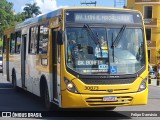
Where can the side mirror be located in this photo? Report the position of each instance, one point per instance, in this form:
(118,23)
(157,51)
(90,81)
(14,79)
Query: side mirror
(60,38)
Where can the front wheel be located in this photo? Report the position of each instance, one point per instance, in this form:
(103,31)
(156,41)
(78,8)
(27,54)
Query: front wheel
(47,102)
(46,99)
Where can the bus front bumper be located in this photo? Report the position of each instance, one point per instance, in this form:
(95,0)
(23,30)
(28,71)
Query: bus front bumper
(72,100)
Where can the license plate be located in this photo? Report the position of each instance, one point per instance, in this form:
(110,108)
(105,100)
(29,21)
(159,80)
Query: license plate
(110,98)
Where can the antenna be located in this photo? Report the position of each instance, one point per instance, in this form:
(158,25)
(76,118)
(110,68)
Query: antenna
(89,3)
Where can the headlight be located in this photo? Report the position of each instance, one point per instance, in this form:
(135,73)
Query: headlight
(70,86)
(143,85)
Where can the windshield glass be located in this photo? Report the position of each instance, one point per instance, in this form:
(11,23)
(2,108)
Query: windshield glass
(85,56)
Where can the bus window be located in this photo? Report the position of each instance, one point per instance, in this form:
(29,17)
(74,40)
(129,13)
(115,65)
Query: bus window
(43,40)
(18,42)
(12,43)
(33,40)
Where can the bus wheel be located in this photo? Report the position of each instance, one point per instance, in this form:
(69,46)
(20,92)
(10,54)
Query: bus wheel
(14,82)
(47,103)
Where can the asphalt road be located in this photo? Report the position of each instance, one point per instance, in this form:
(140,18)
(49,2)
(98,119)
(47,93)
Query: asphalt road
(11,100)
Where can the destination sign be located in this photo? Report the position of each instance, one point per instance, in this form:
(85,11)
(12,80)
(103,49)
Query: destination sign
(103,18)
(110,17)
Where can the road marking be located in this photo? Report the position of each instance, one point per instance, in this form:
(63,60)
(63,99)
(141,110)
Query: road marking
(6,88)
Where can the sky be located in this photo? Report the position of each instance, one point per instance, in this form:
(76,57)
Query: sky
(49,5)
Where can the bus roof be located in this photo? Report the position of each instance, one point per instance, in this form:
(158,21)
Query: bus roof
(100,8)
(39,18)
(59,12)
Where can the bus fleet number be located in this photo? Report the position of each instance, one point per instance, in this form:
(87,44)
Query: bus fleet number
(91,88)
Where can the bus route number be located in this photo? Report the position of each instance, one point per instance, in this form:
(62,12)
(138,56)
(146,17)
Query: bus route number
(91,87)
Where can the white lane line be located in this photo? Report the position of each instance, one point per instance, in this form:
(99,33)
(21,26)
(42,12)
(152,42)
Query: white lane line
(6,88)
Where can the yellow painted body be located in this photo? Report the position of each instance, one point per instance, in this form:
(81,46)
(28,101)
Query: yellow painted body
(71,100)
(126,93)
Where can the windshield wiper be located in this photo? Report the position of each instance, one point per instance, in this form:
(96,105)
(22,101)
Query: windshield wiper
(112,48)
(93,37)
(117,39)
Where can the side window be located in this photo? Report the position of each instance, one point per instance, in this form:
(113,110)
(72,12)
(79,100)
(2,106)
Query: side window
(148,34)
(43,39)
(4,43)
(18,42)
(33,40)
(148,11)
(12,43)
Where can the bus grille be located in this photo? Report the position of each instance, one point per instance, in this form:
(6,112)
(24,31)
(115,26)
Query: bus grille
(107,81)
(98,101)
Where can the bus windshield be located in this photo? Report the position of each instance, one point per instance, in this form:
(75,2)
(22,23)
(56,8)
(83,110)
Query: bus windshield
(84,56)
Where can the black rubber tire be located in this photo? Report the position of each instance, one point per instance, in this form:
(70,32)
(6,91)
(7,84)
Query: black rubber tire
(47,103)
(14,83)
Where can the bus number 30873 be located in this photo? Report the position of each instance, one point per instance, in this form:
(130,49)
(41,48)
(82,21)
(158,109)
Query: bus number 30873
(91,88)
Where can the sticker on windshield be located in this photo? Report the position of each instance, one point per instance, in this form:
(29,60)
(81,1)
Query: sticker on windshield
(88,62)
(104,54)
(94,71)
(101,53)
(103,67)
(113,69)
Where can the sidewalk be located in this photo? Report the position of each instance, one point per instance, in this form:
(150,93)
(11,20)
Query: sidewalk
(154,82)
(4,84)
(3,78)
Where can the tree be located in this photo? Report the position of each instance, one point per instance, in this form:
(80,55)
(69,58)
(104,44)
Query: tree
(8,18)
(19,17)
(6,15)
(31,10)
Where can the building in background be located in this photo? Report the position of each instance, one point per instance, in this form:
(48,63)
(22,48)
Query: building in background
(150,10)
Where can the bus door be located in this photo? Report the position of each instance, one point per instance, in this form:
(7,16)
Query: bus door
(56,68)
(23,59)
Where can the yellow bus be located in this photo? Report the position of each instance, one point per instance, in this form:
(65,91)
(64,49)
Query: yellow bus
(80,57)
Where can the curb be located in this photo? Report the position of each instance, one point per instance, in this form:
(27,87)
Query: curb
(154,82)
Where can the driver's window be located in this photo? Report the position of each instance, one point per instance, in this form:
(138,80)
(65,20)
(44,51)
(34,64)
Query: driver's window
(111,36)
(134,42)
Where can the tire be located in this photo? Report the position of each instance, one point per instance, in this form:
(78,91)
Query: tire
(47,103)
(14,83)
(45,97)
